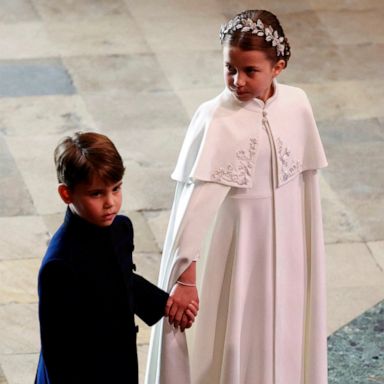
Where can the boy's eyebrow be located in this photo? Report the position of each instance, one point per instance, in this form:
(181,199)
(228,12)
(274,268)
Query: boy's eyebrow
(95,189)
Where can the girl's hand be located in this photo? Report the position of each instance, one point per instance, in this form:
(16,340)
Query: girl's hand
(182,296)
(189,316)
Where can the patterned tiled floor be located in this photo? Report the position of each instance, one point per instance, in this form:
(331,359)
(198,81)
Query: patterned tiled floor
(136,70)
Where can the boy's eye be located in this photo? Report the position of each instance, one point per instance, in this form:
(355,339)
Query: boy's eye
(117,187)
(95,193)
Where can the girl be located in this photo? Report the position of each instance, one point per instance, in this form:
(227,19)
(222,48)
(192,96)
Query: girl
(247,212)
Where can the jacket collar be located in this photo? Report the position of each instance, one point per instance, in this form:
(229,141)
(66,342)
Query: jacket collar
(85,227)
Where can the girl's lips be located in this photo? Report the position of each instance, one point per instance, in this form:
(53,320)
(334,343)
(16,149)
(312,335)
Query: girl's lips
(238,93)
(242,95)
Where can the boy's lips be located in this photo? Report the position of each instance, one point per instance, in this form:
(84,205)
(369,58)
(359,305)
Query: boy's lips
(109,216)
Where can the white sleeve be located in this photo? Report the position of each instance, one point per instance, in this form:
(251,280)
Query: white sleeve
(202,208)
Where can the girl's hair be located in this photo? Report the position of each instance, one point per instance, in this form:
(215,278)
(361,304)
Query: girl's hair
(85,155)
(258,30)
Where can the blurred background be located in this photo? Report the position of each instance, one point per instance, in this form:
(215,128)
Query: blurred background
(136,71)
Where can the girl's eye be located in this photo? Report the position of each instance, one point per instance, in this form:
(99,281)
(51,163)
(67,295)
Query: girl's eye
(230,69)
(117,189)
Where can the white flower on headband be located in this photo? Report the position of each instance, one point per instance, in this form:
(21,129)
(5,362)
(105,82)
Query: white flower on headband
(256,28)
(248,25)
(273,36)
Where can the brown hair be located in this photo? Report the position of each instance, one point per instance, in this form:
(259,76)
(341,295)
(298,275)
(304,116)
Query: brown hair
(248,41)
(84,155)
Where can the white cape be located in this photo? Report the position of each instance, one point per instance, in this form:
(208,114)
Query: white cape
(222,147)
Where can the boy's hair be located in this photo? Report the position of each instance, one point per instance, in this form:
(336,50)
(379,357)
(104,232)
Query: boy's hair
(244,32)
(84,155)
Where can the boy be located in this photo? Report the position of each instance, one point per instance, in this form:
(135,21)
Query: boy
(88,293)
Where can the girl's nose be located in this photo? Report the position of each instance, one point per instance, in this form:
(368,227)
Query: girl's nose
(238,80)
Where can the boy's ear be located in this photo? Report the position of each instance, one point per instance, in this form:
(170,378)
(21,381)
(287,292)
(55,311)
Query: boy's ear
(64,193)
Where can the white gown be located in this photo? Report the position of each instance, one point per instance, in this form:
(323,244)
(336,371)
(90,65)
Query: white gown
(236,339)
(261,272)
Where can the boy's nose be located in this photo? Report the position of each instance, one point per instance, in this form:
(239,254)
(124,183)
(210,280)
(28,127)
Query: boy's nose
(108,202)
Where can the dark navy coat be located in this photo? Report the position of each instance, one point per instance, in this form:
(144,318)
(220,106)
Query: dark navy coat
(88,295)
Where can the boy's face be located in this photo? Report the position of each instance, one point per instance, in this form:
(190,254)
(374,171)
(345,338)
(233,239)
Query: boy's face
(96,202)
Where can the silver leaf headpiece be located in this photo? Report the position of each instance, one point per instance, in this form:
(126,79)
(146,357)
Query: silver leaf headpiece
(257,28)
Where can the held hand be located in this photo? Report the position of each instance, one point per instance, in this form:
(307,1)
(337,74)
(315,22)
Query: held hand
(189,316)
(181,297)
(190,313)
(168,306)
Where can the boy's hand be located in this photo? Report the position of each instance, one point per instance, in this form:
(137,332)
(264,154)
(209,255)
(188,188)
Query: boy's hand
(168,306)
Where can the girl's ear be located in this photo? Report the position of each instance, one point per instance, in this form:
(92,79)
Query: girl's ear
(64,193)
(278,67)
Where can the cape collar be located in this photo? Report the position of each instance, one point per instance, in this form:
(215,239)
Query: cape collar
(222,142)
(256,104)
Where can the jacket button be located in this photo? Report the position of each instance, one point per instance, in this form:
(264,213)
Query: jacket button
(133,267)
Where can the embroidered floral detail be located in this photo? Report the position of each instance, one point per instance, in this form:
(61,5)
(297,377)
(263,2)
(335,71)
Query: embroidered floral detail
(240,173)
(289,166)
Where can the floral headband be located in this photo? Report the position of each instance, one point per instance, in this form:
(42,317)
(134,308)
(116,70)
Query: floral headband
(257,28)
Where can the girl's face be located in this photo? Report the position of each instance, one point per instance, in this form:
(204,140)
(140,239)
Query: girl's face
(249,74)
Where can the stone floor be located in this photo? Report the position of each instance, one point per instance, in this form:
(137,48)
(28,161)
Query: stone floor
(356,351)
(136,70)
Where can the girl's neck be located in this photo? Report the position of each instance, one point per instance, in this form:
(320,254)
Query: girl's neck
(269,94)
